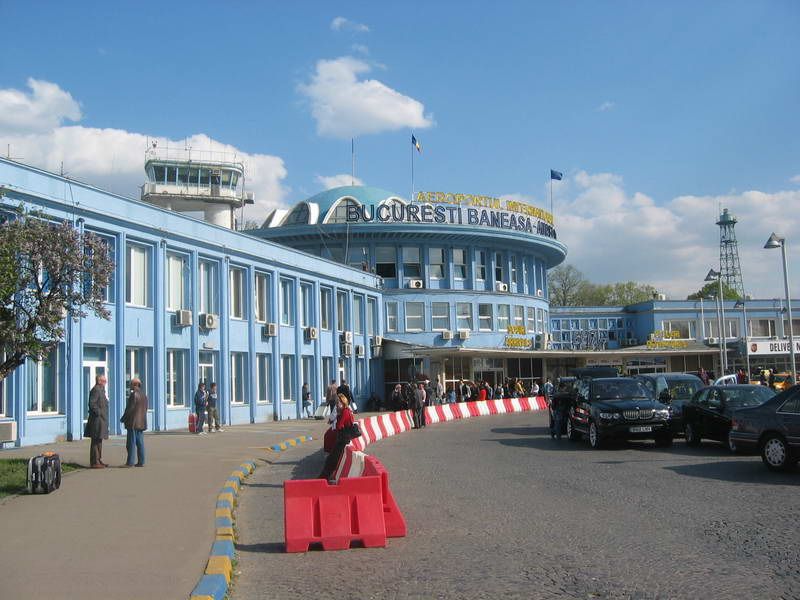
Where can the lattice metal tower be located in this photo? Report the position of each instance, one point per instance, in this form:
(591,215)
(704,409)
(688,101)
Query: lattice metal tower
(729,253)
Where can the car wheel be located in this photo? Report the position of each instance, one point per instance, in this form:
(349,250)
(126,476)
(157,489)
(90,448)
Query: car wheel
(664,441)
(731,444)
(775,453)
(573,435)
(691,434)
(594,436)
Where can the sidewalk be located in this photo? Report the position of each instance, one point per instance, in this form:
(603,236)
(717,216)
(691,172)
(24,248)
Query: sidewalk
(128,533)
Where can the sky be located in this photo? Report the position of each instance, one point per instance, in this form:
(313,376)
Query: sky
(657,114)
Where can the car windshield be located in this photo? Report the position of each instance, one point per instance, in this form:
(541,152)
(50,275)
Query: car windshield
(619,390)
(741,397)
(683,389)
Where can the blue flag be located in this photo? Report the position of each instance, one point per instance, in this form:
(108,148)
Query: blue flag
(557,175)
(416,144)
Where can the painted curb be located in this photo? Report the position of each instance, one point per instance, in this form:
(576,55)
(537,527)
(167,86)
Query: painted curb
(290,443)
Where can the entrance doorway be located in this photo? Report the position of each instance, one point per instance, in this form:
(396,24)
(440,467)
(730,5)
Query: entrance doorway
(490,376)
(95,363)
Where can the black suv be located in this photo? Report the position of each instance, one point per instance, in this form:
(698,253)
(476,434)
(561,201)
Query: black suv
(674,389)
(617,407)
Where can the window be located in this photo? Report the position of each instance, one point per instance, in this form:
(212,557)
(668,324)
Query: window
(503,316)
(238,378)
(298,215)
(436,263)
(176,282)
(372,312)
(176,377)
(137,366)
(358,314)
(236,293)
(206,369)
(137,291)
(519,316)
(795,327)
(539,320)
(43,384)
(341,311)
(731,328)
(358,258)
(287,378)
(463,315)
(386,261)
(485,317)
(340,212)
(761,328)
(108,291)
(391,316)
(532,320)
(459,263)
(328,373)
(208,287)
(480,264)
(499,271)
(262,377)
(305,304)
(325,308)
(411,264)
(513,270)
(683,330)
(440,316)
(415,316)
(287,302)
(262,297)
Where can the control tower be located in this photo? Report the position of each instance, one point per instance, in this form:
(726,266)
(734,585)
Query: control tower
(730,270)
(203,184)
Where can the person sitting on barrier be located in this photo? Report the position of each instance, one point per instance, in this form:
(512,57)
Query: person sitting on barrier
(344,420)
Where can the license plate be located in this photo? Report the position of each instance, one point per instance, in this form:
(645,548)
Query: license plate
(646,429)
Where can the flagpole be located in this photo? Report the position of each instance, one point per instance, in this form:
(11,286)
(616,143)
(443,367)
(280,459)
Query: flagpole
(412,168)
(353,161)
(551,198)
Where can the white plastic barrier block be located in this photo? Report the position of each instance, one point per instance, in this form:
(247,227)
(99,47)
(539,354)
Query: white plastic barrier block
(483,408)
(448,412)
(516,405)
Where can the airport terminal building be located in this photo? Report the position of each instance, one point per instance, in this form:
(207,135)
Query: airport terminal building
(354,283)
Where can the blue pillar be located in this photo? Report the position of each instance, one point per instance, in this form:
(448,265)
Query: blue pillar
(314,386)
(194,341)
(273,316)
(224,343)
(252,388)
(119,395)
(298,346)
(160,322)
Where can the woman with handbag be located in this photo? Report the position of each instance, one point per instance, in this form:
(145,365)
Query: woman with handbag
(345,431)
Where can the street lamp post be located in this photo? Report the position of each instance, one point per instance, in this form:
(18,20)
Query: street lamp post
(776,241)
(741,304)
(717,276)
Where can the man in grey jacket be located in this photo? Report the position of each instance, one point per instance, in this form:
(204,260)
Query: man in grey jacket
(97,423)
(135,421)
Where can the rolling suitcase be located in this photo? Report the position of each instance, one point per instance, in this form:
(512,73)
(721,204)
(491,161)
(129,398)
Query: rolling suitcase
(322,412)
(44,473)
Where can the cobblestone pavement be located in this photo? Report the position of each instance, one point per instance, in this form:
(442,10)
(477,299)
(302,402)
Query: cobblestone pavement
(495,508)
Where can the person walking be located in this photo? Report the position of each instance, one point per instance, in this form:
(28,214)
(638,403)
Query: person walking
(135,420)
(419,406)
(330,395)
(548,389)
(200,403)
(97,423)
(212,400)
(306,396)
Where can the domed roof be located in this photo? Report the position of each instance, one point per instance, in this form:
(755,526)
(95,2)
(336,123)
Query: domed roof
(317,208)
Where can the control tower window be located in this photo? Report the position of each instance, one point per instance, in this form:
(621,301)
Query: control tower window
(234,179)
(386,261)
(411,265)
(172,173)
(204,177)
(183,175)
(158,173)
(225,179)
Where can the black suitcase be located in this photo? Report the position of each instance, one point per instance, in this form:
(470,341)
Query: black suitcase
(44,473)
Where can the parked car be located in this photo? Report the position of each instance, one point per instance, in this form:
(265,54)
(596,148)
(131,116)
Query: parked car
(772,428)
(709,413)
(727,380)
(674,390)
(618,407)
(782,381)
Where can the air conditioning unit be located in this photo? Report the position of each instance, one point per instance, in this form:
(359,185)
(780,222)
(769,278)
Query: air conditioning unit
(346,337)
(539,293)
(311,333)
(347,349)
(538,341)
(463,334)
(269,330)
(713,341)
(209,321)
(359,350)
(500,286)
(377,351)
(447,335)
(183,318)
(377,341)
(8,431)
(415,284)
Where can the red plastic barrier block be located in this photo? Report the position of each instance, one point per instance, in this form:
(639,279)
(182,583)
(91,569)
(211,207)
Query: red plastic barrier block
(440,413)
(333,515)
(394,519)
(509,406)
(382,427)
(492,408)
(541,402)
(394,418)
(473,409)
(525,403)
(405,416)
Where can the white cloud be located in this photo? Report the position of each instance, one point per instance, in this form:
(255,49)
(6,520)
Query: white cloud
(339,180)
(345,107)
(360,49)
(344,24)
(46,106)
(113,159)
(795,179)
(605,106)
(614,235)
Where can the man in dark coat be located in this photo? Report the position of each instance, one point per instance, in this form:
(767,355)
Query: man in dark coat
(97,423)
(135,421)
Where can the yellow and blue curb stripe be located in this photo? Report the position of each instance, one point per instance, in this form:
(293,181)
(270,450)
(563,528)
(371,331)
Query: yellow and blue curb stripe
(213,585)
(290,443)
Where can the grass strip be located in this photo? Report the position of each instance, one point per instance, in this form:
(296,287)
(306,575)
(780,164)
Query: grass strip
(14,475)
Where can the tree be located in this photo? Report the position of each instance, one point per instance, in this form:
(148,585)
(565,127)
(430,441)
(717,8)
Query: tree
(568,287)
(565,282)
(712,289)
(49,271)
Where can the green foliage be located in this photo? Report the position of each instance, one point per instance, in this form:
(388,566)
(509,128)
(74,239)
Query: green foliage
(712,289)
(569,287)
(50,272)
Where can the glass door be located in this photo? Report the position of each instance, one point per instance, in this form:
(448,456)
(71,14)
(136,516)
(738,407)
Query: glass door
(95,363)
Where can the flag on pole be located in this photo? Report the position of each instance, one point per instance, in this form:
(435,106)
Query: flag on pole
(416,144)
(557,175)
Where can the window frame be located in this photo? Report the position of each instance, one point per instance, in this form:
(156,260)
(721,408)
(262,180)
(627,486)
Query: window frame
(442,317)
(420,316)
(146,251)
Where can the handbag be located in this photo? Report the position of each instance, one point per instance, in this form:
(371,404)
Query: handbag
(352,432)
